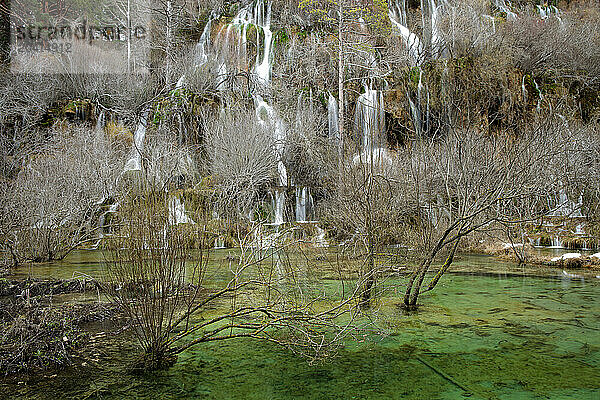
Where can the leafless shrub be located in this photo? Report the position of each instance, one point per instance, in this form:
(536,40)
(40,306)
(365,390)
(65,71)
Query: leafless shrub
(55,195)
(307,148)
(467,30)
(167,163)
(170,295)
(565,46)
(308,62)
(148,273)
(242,158)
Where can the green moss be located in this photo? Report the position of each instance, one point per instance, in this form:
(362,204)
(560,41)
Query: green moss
(280,38)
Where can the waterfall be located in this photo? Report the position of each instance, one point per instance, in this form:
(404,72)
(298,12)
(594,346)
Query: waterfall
(320,240)
(177,213)
(566,207)
(333,119)
(304,203)
(492,20)
(230,53)
(416,49)
(437,47)
(369,123)
(369,119)
(219,243)
(268,118)
(203,45)
(135,160)
(100,123)
(230,45)
(540,97)
(501,5)
(279,206)
(547,11)
(232,41)
(263,68)
(416,116)
(201,50)
(556,243)
(397,15)
(102,220)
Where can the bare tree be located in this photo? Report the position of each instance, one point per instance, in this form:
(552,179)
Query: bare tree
(369,210)
(468,182)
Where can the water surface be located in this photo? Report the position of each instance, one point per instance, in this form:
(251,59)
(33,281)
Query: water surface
(503,334)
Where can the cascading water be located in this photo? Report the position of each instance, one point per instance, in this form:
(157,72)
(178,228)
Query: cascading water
(333,119)
(304,203)
(232,41)
(320,240)
(417,47)
(502,6)
(430,19)
(369,123)
(201,51)
(100,123)
(546,11)
(263,69)
(564,207)
(203,45)
(556,243)
(219,243)
(540,96)
(369,119)
(230,53)
(177,213)
(278,206)
(102,221)
(268,118)
(135,160)
(397,15)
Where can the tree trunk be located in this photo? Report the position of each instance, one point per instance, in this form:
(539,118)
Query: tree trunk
(340,79)
(370,281)
(411,282)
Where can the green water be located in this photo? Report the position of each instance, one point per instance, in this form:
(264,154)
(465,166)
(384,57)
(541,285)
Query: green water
(497,335)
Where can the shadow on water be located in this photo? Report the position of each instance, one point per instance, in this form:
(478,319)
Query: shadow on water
(479,335)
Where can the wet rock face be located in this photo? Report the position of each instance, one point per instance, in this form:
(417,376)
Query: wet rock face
(78,110)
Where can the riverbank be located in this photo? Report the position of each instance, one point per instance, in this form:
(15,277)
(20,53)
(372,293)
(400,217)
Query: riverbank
(46,323)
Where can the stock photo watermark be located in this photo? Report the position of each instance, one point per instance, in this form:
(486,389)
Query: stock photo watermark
(60,36)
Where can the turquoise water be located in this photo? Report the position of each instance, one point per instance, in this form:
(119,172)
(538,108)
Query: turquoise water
(496,335)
